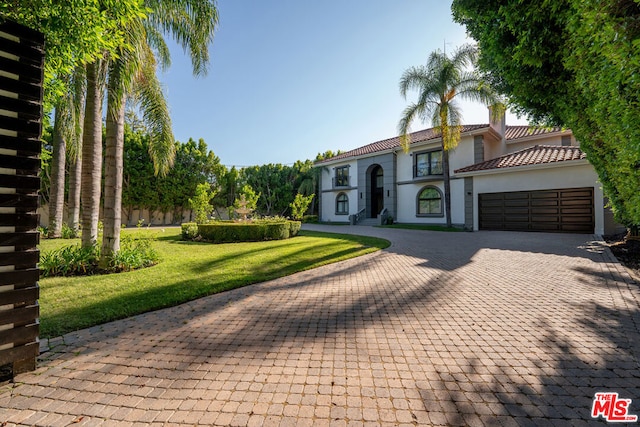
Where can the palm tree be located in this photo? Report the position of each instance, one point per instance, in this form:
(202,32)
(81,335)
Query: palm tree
(133,73)
(58,158)
(66,130)
(440,84)
(75,150)
(91,175)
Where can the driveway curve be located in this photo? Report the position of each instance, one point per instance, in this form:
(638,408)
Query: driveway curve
(473,329)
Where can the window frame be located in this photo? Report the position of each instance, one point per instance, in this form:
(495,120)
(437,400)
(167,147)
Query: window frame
(345,202)
(341,176)
(429,173)
(418,199)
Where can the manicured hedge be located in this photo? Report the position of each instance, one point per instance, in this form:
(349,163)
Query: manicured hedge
(227,232)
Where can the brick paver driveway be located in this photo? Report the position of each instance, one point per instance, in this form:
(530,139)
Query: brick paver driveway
(484,328)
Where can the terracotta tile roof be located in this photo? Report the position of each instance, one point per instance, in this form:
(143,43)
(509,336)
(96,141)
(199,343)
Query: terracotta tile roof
(536,155)
(517,132)
(391,143)
(511,133)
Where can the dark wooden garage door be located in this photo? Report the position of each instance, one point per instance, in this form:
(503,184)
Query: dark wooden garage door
(568,210)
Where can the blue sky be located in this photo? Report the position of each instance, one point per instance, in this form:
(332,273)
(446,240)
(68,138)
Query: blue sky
(290,78)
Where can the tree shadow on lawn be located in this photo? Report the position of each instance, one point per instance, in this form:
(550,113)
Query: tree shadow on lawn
(177,292)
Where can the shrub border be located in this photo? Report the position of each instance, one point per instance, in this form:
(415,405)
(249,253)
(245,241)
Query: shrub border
(234,232)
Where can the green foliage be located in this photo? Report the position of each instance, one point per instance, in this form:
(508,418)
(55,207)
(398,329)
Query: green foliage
(310,219)
(276,185)
(74,260)
(76,33)
(572,63)
(327,155)
(134,253)
(189,230)
(294,228)
(300,205)
(255,231)
(67,232)
(250,197)
(45,167)
(69,261)
(200,203)
(194,164)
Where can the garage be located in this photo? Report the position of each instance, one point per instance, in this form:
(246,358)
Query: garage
(568,210)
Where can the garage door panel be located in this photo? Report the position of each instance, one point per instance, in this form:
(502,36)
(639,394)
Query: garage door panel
(543,202)
(576,202)
(576,228)
(576,211)
(565,210)
(545,211)
(510,210)
(515,203)
(586,193)
(549,218)
(543,194)
(515,195)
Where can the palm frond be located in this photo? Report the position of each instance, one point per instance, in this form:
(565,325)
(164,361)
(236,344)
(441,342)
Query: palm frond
(159,46)
(404,126)
(156,115)
(191,23)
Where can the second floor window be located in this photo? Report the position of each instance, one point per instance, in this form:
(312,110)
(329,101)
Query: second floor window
(342,176)
(429,163)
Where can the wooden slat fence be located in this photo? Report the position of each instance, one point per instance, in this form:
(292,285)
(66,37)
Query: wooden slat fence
(21,76)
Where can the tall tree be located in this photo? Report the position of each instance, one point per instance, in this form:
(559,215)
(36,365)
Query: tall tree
(75,150)
(59,156)
(192,23)
(440,84)
(92,153)
(67,129)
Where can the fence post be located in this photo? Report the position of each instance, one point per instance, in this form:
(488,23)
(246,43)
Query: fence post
(21,76)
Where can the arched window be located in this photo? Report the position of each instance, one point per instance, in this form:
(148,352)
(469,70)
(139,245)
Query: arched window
(342,204)
(429,202)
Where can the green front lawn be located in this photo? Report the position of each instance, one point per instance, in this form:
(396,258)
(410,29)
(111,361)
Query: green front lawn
(187,270)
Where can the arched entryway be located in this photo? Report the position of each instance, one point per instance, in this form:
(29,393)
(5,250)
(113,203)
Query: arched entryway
(377,190)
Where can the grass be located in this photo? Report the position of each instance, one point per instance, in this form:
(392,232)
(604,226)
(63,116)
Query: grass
(187,270)
(422,227)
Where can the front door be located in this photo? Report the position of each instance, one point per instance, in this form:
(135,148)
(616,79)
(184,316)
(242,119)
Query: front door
(377,191)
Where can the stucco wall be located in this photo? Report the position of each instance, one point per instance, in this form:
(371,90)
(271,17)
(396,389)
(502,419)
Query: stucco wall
(540,179)
(329,205)
(407,203)
(329,192)
(518,145)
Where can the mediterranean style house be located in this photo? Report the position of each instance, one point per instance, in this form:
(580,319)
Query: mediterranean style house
(502,178)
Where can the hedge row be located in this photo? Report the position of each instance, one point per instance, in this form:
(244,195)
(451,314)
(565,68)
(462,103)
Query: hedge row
(227,232)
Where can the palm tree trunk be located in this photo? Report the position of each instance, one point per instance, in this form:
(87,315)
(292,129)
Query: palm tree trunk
(73,203)
(447,185)
(114,154)
(91,156)
(56,191)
